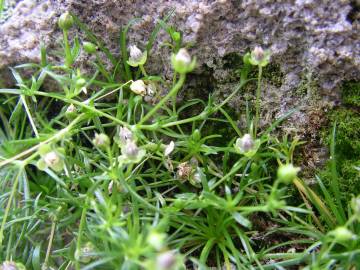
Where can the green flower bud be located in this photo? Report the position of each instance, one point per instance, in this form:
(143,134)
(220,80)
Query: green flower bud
(80,82)
(246,59)
(156,240)
(101,140)
(196,135)
(287,173)
(138,87)
(342,234)
(182,62)
(176,36)
(89,47)
(66,21)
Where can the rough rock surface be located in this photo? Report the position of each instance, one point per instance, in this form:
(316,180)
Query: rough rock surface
(313,42)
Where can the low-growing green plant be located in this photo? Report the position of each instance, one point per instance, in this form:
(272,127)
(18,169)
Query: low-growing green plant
(106,173)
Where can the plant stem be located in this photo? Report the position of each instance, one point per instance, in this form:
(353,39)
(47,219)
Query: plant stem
(172,92)
(143,70)
(32,123)
(68,56)
(48,250)
(258,96)
(78,242)
(35,147)
(7,209)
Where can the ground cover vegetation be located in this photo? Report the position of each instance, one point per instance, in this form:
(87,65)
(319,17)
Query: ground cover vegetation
(110,171)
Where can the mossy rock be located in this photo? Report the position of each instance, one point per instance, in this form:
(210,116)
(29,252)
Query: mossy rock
(347,141)
(351,94)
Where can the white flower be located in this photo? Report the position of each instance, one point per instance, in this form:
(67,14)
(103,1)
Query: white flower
(101,140)
(182,62)
(124,135)
(259,57)
(137,57)
(183,56)
(169,148)
(166,260)
(135,53)
(138,87)
(130,149)
(71,109)
(51,158)
(258,53)
(131,153)
(246,145)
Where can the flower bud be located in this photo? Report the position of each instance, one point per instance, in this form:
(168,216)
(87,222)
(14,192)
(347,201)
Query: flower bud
(80,82)
(101,140)
(137,57)
(9,265)
(182,62)
(176,36)
(124,135)
(71,111)
(66,21)
(51,158)
(166,260)
(259,57)
(130,149)
(258,53)
(196,135)
(138,87)
(151,89)
(287,173)
(156,240)
(342,234)
(135,53)
(247,146)
(89,47)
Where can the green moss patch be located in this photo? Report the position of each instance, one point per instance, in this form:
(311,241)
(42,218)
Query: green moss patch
(347,119)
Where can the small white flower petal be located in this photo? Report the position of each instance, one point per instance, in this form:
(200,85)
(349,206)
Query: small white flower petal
(138,87)
(169,148)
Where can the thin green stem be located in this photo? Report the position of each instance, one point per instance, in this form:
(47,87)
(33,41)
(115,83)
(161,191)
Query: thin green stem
(51,239)
(78,242)
(143,71)
(7,209)
(171,93)
(55,137)
(241,84)
(83,105)
(32,123)
(68,56)
(258,96)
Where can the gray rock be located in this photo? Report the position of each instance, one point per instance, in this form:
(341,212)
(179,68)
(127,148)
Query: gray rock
(316,37)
